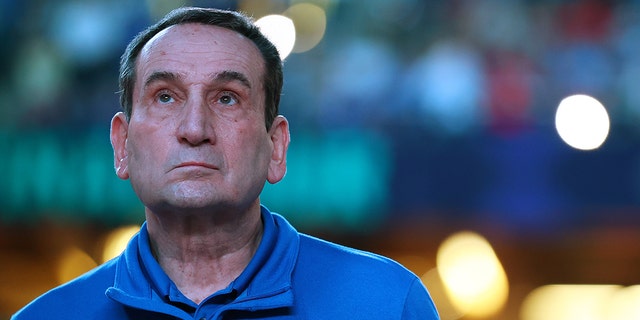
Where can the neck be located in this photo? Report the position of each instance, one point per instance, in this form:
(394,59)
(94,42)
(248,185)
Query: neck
(203,254)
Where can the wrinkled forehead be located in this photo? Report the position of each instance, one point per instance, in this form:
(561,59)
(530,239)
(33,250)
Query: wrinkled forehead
(201,48)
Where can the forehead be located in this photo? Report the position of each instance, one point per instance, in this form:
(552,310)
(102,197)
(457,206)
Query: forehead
(195,50)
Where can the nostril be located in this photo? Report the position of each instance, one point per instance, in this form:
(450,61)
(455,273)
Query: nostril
(196,128)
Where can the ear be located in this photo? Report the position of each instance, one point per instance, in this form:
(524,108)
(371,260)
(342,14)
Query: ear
(279,134)
(119,132)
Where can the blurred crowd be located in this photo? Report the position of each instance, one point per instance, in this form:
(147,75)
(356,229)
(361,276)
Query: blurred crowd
(458,66)
(452,65)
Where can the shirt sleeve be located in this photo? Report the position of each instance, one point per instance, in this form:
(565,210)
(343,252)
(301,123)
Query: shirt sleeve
(419,305)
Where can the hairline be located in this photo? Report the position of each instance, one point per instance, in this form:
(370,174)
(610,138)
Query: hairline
(183,23)
(272,77)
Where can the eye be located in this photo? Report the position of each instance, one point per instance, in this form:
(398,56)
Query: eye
(227,98)
(165,97)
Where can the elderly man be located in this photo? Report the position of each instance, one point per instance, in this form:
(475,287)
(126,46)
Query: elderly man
(198,138)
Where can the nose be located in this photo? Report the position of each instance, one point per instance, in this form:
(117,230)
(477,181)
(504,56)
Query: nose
(196,123)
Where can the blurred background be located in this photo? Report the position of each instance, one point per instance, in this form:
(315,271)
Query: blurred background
(427,131)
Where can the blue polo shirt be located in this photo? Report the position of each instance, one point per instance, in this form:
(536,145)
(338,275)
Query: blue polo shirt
(291,276)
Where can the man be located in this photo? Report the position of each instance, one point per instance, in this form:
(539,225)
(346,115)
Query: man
(198,138)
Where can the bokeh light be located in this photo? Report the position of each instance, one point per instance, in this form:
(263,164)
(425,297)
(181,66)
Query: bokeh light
(433,281)
(117,240)
(623,304)
(472,274)
(310,22)
(568,302)
(582,122)
(72,263)
(280,30)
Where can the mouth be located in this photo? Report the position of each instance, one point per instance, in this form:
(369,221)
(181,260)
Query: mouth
(196,164)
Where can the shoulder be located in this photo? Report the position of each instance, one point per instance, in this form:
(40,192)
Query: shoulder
(73,298)
(351,267)
(345,282)
(327,253)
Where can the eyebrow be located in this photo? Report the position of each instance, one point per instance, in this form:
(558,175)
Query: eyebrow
(224,76)
(161,76)
(229,76)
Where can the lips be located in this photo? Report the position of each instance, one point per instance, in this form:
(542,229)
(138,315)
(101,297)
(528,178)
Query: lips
(196,164)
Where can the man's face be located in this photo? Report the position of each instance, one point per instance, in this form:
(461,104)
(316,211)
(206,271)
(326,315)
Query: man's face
(196,139)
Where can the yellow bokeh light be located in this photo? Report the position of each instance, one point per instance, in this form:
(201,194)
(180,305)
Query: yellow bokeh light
(433,281)
(568,302)
(623,304)
(582,122)
(279,30)
(473,277)
(310,22)
(117,240)
(259,8)
(72,263)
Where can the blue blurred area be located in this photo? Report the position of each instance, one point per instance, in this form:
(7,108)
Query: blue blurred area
(405,109)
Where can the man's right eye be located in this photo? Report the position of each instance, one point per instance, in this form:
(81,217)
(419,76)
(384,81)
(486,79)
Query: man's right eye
(165,98)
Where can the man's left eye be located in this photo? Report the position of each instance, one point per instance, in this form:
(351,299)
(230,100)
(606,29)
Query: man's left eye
(227,99)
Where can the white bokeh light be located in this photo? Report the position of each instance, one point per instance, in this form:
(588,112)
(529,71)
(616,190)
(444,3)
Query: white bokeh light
(582,122)
(279,30)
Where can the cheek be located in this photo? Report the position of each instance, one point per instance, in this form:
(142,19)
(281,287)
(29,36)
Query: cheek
(255,138)
(144,150)
(248,146)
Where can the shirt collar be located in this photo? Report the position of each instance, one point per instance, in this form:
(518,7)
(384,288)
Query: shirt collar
(268,274)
